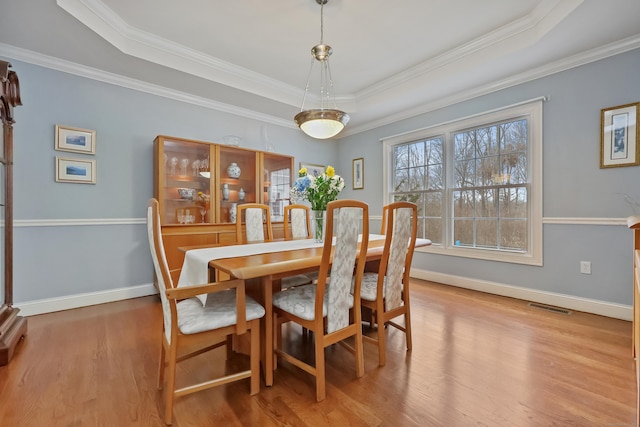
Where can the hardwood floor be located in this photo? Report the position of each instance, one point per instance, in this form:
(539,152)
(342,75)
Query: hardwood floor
(477,360)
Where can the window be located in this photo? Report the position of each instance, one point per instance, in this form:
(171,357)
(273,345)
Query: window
(477,183)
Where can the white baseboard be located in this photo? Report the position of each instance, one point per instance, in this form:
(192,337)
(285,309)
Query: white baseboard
(50,305)
(602,308)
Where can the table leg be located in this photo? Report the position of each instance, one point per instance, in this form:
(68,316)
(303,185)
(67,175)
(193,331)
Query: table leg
(267,344)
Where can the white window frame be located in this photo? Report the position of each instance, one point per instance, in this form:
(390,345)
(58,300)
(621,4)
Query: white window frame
(532,111)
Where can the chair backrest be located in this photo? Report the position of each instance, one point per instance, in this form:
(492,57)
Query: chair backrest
(349,218)
(297,222)
(383,223)
(160,265)
(401,231)
(257,223)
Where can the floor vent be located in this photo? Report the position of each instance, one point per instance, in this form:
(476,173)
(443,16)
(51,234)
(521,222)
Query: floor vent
(550,308)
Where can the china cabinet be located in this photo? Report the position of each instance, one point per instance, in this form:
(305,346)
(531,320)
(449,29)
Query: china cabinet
(199,184)
(12,326)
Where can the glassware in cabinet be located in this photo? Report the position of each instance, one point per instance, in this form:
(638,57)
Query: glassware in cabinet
(182,182)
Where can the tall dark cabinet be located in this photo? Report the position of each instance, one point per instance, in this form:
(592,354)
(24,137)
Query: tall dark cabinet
(12,326)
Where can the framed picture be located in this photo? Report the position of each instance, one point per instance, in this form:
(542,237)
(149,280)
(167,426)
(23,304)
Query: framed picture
(315,170)
(75,140)
(357,170)
(619,136)
(78,171)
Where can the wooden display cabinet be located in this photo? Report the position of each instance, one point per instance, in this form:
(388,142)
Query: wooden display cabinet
(180,174)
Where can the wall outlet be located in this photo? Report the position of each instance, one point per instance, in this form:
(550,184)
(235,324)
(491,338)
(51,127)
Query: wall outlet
(585,267)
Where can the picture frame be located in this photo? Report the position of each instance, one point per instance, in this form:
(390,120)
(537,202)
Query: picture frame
(357,172)
(313,169)
(75,140)
(78,171)
(619,137)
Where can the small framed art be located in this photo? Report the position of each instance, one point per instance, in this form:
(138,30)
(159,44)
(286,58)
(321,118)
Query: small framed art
(313,170)
(75,140)
(77,171)
(619,136)
(357,169)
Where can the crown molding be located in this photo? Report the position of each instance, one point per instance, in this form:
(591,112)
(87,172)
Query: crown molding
(138,85)
(603,52)
(150,47)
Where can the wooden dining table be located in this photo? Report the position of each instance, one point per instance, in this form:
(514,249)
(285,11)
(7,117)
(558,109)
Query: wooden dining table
(266,269)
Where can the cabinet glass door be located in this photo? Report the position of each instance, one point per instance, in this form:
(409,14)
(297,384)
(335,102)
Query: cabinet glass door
(276,184)
(185,183)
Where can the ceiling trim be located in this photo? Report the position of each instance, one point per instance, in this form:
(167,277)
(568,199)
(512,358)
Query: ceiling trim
(141,44)
(524,31)
(603,52)
(564,64)
(134,84)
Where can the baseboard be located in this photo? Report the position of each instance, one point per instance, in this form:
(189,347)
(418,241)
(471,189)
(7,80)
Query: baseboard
(50,305)
(602,308)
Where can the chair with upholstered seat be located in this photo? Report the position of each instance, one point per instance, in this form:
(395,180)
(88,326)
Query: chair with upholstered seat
(297,222)
(329,309)
(297,225)
(257,220)
(386,292)
(200,318)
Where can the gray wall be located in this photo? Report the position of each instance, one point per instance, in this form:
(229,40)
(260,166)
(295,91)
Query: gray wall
(576,190)
(73,239)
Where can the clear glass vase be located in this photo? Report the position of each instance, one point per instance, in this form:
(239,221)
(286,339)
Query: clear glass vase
(317,225)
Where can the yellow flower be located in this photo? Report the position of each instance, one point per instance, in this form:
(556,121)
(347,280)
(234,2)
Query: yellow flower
(302,172)
(330,171)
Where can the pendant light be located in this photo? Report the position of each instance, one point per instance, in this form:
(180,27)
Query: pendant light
(326,121)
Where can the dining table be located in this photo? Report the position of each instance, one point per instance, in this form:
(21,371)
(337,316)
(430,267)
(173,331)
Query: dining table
(264,264)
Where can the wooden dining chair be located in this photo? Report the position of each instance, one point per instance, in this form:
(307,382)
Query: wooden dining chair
(297,225)
(257,221)
(330,311)
(191,328)
(386,292)
(297,222)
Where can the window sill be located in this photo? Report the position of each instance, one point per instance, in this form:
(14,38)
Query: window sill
(485,254)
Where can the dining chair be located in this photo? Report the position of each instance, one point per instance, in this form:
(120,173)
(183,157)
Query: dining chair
(297,225)
(191,328)
(257,220)
(386,292)
(329,310)
(297,222)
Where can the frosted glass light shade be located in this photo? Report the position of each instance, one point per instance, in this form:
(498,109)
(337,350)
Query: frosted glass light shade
(321,123)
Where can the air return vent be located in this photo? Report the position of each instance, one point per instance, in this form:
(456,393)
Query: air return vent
(550,308)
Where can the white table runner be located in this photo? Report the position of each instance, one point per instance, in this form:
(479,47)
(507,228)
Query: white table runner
(195,269)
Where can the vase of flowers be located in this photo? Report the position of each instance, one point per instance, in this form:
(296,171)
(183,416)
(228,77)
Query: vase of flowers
(318,191)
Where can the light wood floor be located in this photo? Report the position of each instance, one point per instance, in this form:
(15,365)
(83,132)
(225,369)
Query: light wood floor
(478,360)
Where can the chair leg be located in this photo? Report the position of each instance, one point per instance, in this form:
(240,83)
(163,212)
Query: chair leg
(407,326)
(382,356)
(321,392)
(277,339)
(169,391)
(161,367)
(255,357)
(359,352)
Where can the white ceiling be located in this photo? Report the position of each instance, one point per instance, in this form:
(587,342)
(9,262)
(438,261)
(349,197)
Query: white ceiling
(391,59)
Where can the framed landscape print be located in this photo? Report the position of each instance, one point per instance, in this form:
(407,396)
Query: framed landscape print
(75,140)
(619,136)
(357,170)
(313,170)
(77,171)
